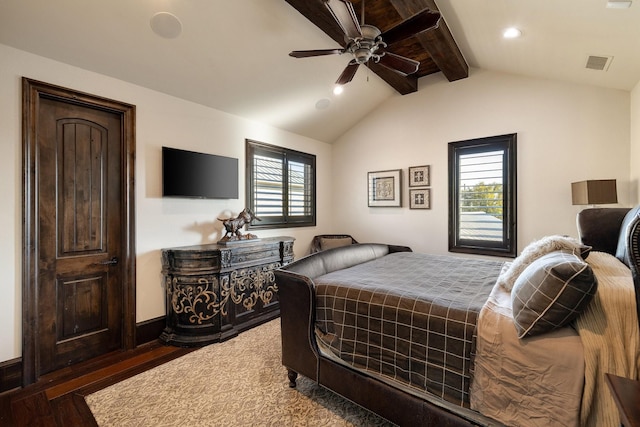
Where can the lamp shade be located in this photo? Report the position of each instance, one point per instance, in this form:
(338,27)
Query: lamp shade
(594,192)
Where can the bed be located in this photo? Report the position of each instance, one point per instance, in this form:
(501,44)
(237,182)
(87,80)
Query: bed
(440,340)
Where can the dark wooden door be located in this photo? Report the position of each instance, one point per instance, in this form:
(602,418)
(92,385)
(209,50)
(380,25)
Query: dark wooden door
(80,243)
(79,205)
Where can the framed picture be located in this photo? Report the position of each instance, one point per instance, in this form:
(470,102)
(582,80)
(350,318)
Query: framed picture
(419,198)
(419,176)
(385,188)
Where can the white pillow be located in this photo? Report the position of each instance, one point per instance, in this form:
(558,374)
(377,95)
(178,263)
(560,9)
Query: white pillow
(535,250)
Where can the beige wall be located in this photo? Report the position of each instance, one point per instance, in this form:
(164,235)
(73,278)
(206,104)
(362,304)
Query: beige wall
(565,133)
(161,120)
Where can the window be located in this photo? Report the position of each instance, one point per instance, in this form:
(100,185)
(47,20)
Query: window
(281,186)
(482,196)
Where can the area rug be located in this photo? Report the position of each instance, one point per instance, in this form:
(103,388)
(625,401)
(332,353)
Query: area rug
(240,382)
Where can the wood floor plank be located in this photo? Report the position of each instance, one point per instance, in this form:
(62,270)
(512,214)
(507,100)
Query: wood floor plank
(71,410)
(57,399)
(117,377)
(116,368)
(33,410)
(6,414)
(83,410)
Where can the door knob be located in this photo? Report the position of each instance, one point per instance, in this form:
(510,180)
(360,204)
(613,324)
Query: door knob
(113,261)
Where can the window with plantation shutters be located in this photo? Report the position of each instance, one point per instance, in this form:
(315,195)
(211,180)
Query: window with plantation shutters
(280,186)
(482,196)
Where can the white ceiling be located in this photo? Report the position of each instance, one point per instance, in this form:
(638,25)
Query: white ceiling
(232,55)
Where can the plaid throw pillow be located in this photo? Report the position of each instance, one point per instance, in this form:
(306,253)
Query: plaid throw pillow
(551,292)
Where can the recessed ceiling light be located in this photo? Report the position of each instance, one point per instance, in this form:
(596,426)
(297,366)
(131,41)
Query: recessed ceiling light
(511,33)
(166,25)
(619,4)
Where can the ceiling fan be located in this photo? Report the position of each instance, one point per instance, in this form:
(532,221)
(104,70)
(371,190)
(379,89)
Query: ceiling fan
(367,43)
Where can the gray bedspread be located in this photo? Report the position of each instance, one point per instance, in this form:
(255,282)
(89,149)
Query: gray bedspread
(409,317)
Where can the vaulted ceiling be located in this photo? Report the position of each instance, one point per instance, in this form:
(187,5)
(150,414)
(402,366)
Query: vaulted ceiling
(232,55)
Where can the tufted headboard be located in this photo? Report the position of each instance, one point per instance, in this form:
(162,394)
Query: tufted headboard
(615,231)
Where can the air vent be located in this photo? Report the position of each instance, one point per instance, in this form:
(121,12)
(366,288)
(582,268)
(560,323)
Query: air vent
(600,63)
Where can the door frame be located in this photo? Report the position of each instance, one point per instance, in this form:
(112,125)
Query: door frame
(32,92)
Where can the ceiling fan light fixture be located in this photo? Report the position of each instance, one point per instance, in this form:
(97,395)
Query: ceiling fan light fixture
(338,89)
(511,33)
(362,55)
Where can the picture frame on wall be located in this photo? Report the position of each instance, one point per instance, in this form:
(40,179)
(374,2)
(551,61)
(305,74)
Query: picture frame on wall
(419,198)
(385,188)
(419,176)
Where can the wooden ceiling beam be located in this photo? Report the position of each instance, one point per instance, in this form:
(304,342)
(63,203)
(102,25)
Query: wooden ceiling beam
(316,12)
(438,42)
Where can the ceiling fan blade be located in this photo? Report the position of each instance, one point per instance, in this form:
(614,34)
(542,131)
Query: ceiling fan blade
(418,23)
(345,16)
(348,73)
(317,52)
(399,63)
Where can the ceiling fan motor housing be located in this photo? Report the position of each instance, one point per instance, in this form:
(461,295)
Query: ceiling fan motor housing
(369,32)
(365,47)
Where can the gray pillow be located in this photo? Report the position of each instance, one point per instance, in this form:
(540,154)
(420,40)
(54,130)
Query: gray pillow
(551,292)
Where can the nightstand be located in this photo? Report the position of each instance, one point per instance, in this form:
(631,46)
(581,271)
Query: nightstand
(626,394)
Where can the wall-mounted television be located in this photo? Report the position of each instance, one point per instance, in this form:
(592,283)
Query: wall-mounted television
(198,175)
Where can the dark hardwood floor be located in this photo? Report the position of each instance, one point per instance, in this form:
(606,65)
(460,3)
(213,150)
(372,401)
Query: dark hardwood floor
(57,399)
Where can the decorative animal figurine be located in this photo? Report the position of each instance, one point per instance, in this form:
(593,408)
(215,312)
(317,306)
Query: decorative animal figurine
(234,226)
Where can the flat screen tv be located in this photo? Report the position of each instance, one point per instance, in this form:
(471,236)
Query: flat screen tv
(198,175)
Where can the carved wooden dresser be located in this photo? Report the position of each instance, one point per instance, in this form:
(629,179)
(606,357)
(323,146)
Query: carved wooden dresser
(216,291)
